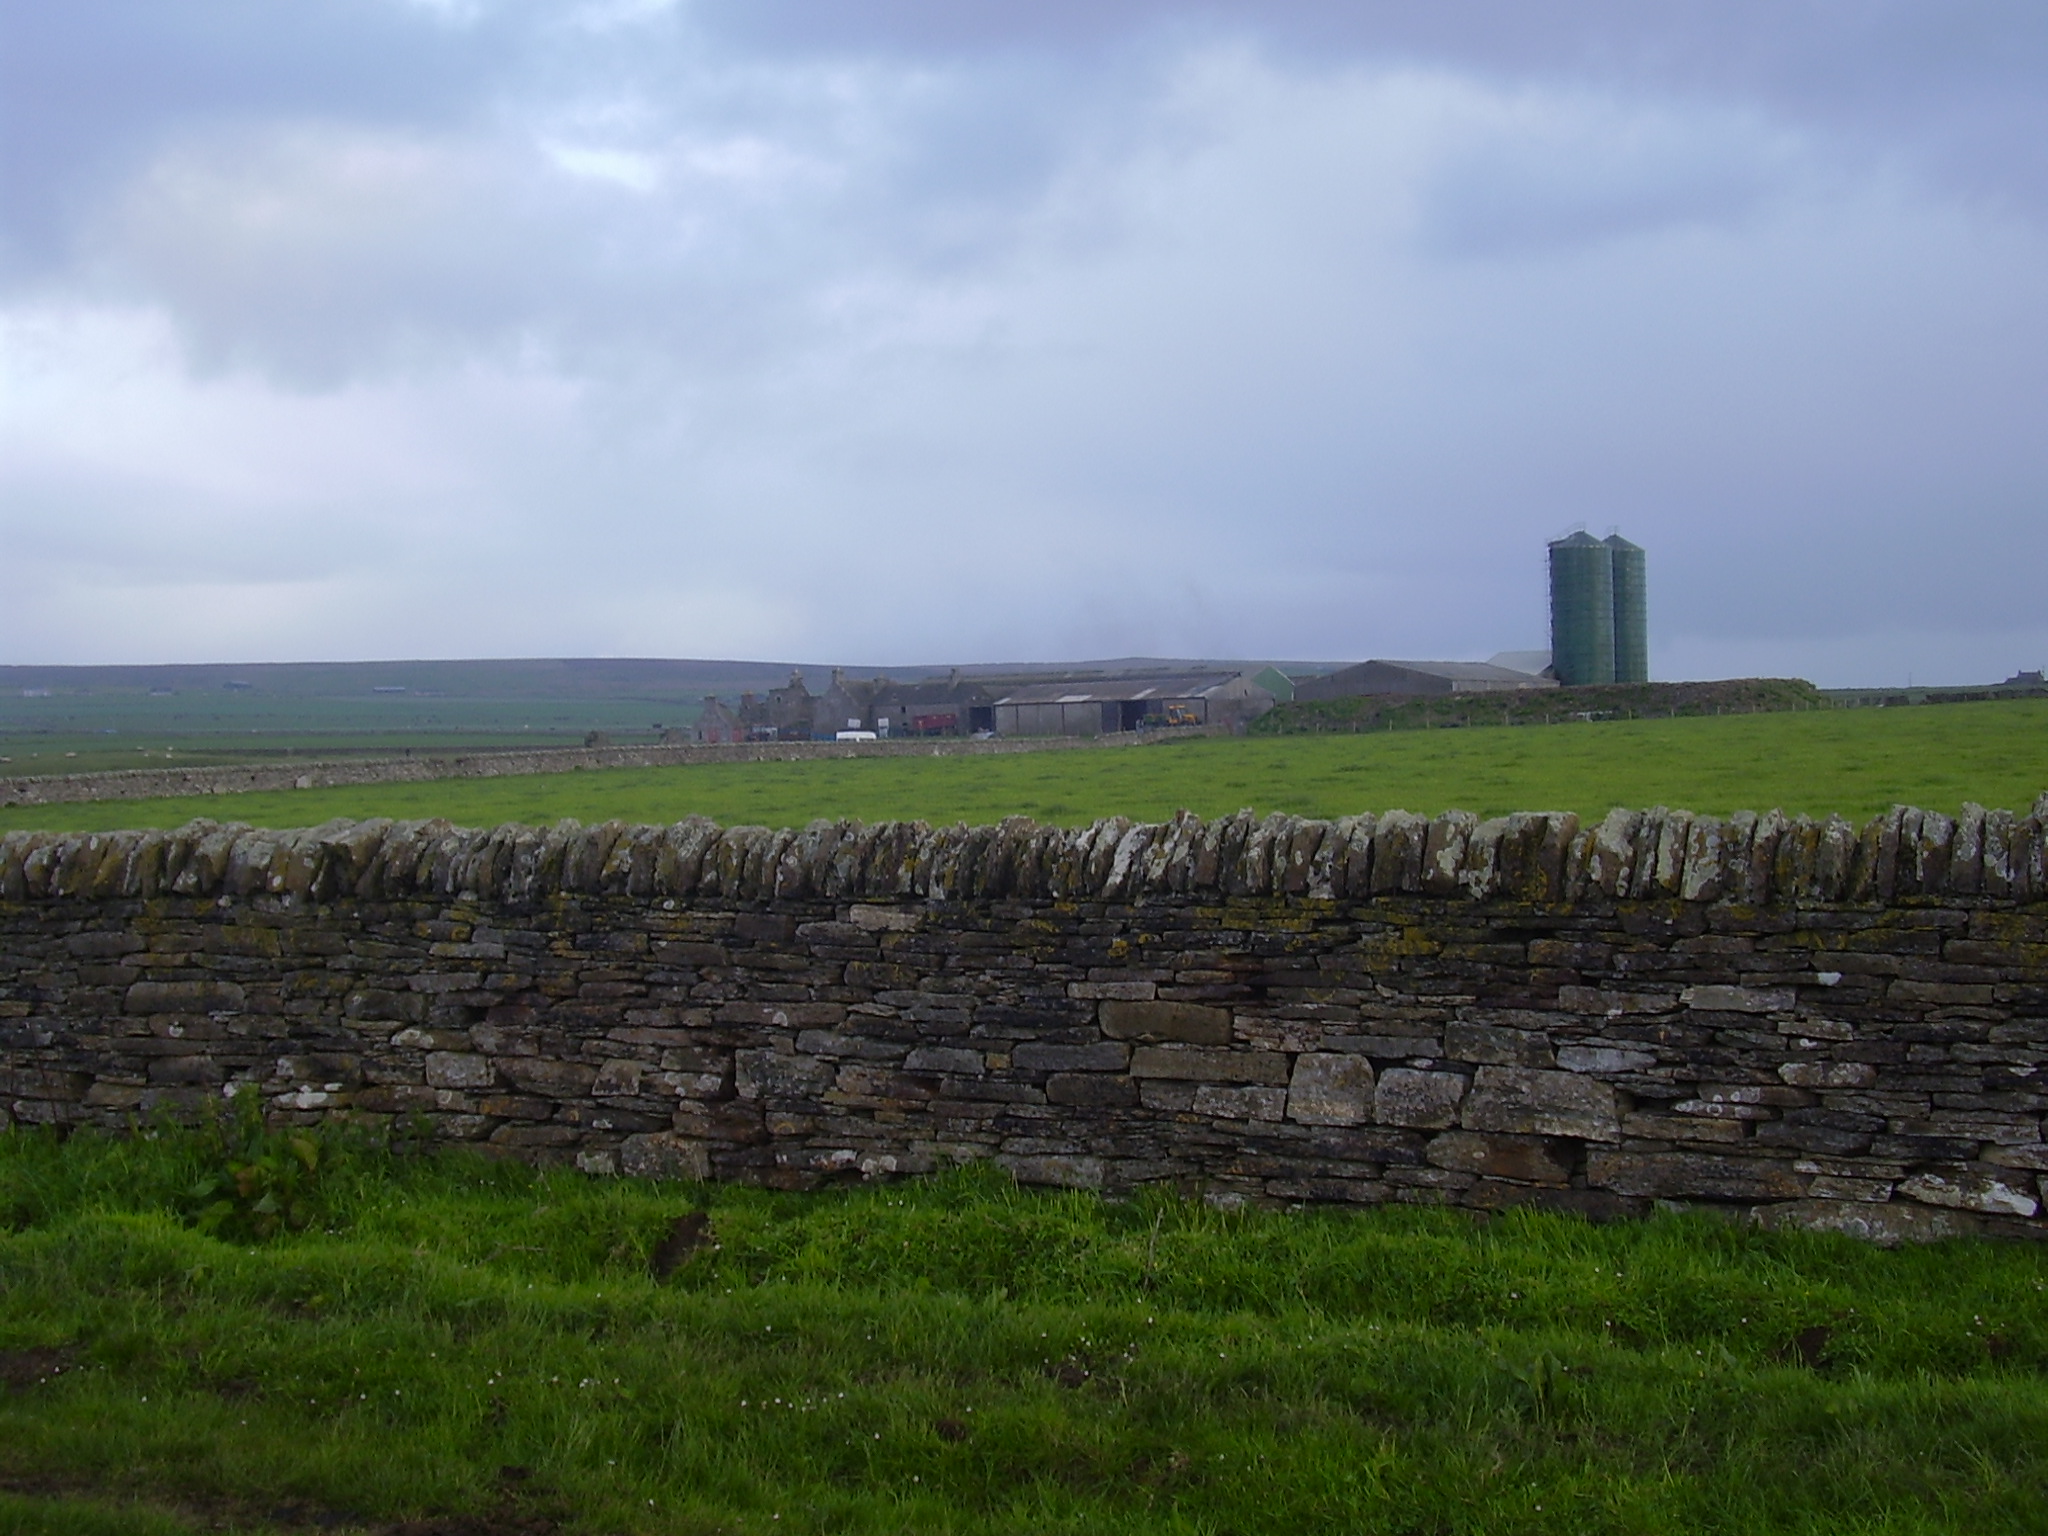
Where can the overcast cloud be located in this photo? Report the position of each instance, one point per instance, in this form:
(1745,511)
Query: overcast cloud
(922,331)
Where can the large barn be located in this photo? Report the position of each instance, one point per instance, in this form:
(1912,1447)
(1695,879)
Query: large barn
(1102,706)
(1417,677)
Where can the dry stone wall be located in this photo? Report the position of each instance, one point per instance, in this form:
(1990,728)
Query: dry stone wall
(1814,1023)
(311,773)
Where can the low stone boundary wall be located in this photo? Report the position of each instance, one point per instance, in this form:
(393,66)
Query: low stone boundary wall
(310,773)
(1815,1024)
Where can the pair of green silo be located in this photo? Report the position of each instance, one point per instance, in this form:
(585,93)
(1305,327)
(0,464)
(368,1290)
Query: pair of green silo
(1599,621)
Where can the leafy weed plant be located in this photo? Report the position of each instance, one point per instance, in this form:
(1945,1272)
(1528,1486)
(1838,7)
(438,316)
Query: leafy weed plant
(261,1182)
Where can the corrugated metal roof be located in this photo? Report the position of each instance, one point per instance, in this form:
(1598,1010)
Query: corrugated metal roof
(1456,671)
(1119,690)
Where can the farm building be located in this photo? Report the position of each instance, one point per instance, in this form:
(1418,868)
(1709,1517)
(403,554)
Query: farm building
(951,706)
(847,705)
(1100,706)
(1536,663)
(717,725)
(1275,682)
(788,710)
(1417,677)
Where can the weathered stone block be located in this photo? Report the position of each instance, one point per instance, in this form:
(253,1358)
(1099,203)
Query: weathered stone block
(555,1079)
(763,927)
(397,1099)
(1721,1109)
(381,1003)
(1733,999)
(413,1039)
(1779,1096)
(1829,1074)
(1443,851)
(1331,1089)
(1541,1103)
(1610,1003)
(884,919)
(1611,855)
(759,1074)
(186,1069)
(1524,1159)
(1940,994)
(1113,991)
(1602,1060)
(664,1155)
(1969,1189)
(1095,1090)
(1656,1127)
(94,945)
(1495,1046)
(2032,1156)
(619,1078)
(1036,1056)
(1694,1175)
(952,1061)
(1194,1063)
(184,997)
(459,1070)
(1191,1023)
(1834,1187)
(1066,1172)
(1887,1225)
(1240,1103)
(1420,1100)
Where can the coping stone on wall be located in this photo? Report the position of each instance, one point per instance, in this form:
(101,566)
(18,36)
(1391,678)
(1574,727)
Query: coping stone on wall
(1530,857)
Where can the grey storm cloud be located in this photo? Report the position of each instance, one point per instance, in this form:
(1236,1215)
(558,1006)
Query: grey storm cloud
(923,331)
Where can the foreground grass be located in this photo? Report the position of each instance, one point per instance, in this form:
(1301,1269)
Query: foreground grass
(462,1338)
(1853,762)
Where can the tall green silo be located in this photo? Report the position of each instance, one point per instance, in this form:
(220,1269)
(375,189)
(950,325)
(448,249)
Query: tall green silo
(1631,613)
(1582,610)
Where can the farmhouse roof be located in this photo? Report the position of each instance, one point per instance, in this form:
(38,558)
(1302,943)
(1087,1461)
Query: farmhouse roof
(1120,690)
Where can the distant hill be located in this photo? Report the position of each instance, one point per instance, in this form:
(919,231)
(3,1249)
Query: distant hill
(536,678)
(652,679)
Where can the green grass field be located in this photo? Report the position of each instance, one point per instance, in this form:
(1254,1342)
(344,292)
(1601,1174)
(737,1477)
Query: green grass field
(1855,762)
(487,1349)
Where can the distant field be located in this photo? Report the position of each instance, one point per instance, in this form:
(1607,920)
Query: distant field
(1855,762)
(93,733)
(39,754)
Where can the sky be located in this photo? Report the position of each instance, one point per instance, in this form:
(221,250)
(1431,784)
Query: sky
(918,331)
